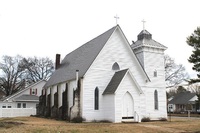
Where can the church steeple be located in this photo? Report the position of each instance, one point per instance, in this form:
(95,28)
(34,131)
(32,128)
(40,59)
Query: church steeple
(150,54)
(144,34)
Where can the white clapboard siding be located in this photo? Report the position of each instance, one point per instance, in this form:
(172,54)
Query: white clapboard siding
(100,73)
(127,85)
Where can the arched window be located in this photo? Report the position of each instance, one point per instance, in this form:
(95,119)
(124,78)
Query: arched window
(115,66)
(156,100)
(96,98)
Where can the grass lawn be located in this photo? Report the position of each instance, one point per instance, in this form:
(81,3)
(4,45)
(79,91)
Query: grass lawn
(42,125)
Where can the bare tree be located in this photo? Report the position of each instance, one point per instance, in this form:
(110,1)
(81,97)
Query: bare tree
(174,74)
(194,88)
(12,76)
(38,68)
(171,92)
(17,72)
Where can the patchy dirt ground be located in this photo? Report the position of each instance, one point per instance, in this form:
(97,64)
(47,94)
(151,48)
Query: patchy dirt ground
(42,125)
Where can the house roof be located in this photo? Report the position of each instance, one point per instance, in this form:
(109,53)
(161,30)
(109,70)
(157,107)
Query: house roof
(27,98)
(20,91)
(115,81)
(145,39)
(79,59)
(182,98)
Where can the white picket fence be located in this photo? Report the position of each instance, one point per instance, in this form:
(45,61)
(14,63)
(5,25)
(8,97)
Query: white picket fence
(15,112)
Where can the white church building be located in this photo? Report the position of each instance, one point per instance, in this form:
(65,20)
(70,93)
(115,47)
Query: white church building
(109,79)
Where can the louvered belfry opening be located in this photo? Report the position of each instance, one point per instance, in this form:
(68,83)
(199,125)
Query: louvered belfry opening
(144,34)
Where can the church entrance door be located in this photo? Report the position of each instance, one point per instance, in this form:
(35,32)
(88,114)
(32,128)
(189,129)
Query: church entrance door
(127,107)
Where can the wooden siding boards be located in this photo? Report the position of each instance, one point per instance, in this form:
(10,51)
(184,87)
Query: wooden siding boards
(100,74)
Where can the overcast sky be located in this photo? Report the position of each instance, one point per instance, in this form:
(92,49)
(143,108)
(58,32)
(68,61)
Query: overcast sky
(43,28)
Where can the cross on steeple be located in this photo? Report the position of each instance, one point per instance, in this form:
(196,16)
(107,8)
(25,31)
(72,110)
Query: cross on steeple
(116,17)
(143,21)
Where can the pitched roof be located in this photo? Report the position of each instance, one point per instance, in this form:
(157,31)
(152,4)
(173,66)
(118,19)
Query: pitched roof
(145,39)
(20,91)
(182,98)
(115,81)
(27,98)
(79,59)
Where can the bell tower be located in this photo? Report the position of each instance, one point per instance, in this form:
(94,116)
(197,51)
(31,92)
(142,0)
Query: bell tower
(150,54)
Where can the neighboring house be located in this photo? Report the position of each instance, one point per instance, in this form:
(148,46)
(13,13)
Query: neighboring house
(182,102)
(109,79)
(23,102)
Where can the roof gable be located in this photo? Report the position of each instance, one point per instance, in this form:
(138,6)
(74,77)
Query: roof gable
(82,58)
(116,80)
(21,91)
(79,59)
(182,98)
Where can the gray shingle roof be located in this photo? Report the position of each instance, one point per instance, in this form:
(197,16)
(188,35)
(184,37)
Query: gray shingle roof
(27,98)
(79,59)
(115,81)
(145,39)
(182,98)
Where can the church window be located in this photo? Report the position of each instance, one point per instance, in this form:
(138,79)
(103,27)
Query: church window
(155,73)
(115,66)
(96,98)
(156,100)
